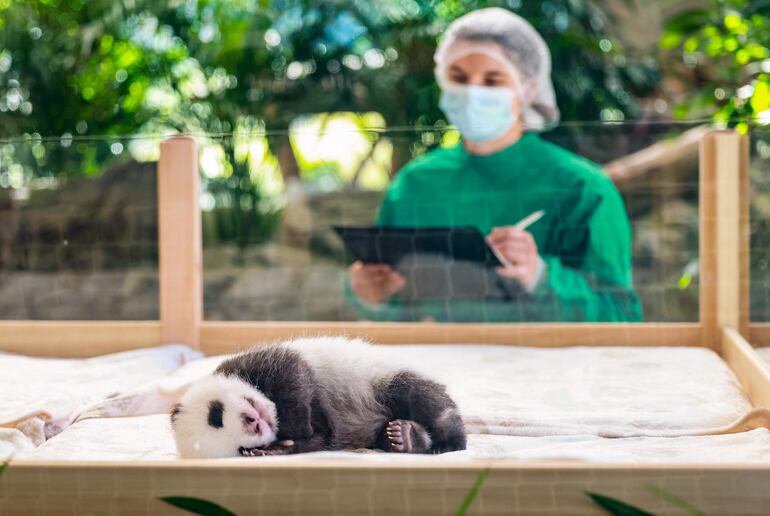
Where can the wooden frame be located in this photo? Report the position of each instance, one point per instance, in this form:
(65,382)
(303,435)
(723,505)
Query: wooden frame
(417,486)
(355,488)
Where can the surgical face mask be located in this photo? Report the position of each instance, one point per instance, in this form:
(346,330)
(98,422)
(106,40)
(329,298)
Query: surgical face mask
(480,113)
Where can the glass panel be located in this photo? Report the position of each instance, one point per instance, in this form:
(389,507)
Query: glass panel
(270,203)
(73,230)
(759,176)
(78,229)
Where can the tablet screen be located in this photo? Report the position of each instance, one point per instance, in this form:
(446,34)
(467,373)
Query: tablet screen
(391,245)
(438,263)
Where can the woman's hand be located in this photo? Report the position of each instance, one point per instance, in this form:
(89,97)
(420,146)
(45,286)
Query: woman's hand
(375,283)
(519,248)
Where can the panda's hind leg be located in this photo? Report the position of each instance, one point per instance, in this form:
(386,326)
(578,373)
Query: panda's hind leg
(424,417)
(404,436)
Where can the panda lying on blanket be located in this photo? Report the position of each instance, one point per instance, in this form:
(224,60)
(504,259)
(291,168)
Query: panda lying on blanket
(314,394)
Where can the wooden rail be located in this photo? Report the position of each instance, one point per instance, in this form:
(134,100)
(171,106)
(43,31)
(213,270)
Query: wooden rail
(76,339)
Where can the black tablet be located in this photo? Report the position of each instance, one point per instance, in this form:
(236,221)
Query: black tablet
(444,263)
(393,245)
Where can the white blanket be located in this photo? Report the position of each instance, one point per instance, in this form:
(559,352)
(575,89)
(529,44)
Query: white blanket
(149,438)
(610,391)
(42,396)
(552,400)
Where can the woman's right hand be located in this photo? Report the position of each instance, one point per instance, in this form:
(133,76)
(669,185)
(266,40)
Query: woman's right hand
(375,283)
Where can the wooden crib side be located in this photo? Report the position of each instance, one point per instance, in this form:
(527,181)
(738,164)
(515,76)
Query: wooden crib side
(354,488)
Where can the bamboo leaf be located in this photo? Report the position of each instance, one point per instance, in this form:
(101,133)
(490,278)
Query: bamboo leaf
(675,500)
(616,507)
(472,493)
(197,506)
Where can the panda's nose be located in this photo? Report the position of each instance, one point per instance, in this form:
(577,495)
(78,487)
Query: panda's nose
(250,419)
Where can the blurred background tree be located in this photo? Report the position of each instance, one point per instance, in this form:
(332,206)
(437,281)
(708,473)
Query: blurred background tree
(720,54)
(71,69)
(101,67)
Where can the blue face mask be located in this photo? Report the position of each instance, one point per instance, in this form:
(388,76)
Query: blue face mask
(480,113)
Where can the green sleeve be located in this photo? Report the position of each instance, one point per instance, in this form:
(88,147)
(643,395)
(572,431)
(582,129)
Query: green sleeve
(390,310)
(597,286)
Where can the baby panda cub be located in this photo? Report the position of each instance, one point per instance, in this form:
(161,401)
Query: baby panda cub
(327,393)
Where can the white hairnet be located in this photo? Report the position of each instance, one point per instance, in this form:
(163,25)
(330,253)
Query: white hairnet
(509,38)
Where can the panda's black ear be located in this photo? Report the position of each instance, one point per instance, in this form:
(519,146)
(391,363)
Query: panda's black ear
(286,379)
(175,412)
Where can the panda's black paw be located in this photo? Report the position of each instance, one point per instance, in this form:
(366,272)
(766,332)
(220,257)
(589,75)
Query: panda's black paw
(272,449)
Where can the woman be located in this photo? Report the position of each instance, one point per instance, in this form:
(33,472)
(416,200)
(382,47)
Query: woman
(572,265)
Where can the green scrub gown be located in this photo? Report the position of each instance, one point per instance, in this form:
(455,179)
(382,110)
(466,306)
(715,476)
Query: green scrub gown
(584,237)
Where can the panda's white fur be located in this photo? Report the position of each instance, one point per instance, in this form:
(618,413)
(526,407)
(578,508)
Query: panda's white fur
(195,438)
(350,367)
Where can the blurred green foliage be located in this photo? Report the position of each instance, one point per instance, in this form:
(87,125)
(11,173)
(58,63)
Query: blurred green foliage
(106,67)
(725,52)
(71,70)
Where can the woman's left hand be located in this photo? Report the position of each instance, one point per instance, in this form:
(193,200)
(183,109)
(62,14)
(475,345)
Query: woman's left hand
(519,248)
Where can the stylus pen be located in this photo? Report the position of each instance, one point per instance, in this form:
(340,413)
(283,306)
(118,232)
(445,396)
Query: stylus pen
(522,224)
(529,219)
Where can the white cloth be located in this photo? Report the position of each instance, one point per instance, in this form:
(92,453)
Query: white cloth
(606,391)
(550,402)
(150,438)
(504,390)
(42,396)
(12,442)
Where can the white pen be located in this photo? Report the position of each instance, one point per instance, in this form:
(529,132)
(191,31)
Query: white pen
(522,224)
(529,219)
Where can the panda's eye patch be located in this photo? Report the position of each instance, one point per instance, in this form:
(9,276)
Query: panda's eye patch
(216,410)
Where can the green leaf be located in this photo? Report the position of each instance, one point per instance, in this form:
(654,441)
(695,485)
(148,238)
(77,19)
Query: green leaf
(197,506)
(675,500)
(671,40)
(760,100)
(616,507)
(732,21)
(691,44)
(3,467)
(472,493)
(687,21)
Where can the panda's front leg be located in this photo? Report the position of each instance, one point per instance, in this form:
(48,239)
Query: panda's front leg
(316,442)
(284,447)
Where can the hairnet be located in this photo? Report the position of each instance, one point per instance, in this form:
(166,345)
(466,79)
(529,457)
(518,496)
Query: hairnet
(509,38)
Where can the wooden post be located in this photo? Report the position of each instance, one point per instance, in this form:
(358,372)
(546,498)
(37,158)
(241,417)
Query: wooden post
(750,369)
(180,246)
(744,232)
(724,234)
